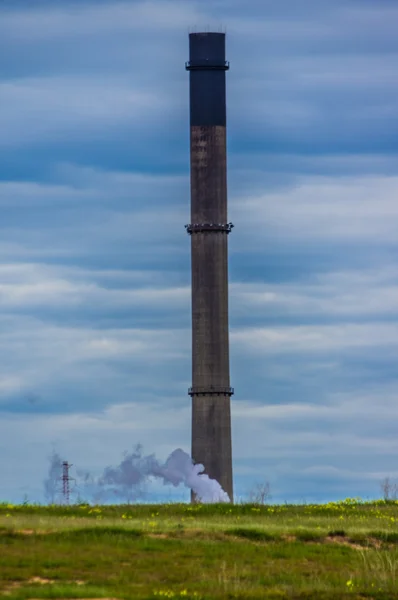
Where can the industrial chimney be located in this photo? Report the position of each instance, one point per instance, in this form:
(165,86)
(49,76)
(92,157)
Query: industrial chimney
(209,229)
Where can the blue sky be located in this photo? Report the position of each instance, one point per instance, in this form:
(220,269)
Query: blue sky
(95,260)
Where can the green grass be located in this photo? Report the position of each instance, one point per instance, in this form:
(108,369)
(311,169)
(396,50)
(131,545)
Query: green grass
(338,550)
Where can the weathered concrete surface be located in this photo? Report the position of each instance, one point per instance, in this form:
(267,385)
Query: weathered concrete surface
(208,174)
(211,418)
(211,438)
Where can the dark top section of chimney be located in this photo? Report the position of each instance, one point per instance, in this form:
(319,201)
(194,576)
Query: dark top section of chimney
(207,48)
(207,66)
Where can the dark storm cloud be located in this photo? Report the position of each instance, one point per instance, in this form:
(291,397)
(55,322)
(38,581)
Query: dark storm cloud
(311,80)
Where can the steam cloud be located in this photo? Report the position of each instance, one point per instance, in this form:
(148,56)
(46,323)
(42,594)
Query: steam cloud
(52,483)
(129,479)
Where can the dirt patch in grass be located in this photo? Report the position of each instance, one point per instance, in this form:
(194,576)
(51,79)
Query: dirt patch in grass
(385,536)
(366,544)
(341,539)
(288,538)
(192,534)
(15,585)
(344,541)
(32,531)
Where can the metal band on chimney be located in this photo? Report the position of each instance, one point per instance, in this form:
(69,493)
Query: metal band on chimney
(206,66)
(211,391)
(200,227)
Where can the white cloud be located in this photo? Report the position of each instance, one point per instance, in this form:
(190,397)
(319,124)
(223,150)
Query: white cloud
(40,24)
(352,293)
(29,193)
(315,21)
(33,286)
(341,409)
(92,211)
(119,184)
(10,384)
(317,338)
(332,436)
(43,108)
(39,356)
(321,209)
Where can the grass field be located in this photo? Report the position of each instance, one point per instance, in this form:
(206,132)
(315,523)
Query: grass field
(338,550)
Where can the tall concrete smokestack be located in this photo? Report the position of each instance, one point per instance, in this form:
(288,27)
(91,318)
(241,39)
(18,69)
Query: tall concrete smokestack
(209,229)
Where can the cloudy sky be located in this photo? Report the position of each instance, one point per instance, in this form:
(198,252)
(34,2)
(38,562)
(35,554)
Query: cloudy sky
(95,261)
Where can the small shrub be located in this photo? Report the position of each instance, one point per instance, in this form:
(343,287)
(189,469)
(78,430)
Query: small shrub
(385,536)
(260,493)
(389,489)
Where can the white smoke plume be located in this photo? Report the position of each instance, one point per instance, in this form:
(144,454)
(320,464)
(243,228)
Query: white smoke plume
(129,479)
(52,482)
(179,468)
